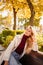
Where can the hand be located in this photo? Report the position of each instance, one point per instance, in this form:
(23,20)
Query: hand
(6,63)
(28,50)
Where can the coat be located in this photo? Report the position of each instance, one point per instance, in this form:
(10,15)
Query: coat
(12,46)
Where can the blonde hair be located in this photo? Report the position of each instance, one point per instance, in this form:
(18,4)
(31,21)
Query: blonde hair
(30,39)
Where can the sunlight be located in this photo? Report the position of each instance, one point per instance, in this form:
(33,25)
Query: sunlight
(5,13)
(41,21)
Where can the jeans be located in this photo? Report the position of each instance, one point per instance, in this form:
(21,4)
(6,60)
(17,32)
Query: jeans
(14,59)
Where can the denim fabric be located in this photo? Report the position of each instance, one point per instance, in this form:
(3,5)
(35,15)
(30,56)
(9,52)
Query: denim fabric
(14,59)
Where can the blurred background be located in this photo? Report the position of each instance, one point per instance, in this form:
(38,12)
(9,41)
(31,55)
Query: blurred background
(16,15)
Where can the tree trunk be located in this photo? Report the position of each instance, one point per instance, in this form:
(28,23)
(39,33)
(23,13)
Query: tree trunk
(32,12)
(14,26)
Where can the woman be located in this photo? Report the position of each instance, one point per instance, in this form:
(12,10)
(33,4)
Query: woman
(35,57)
(20,45)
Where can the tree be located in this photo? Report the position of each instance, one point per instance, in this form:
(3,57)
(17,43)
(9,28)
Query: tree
(22,6)
(14,26)
(33,7)
(32,12)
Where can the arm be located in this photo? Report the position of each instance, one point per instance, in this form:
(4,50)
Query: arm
(8,51)
(40,52)
(29,46)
